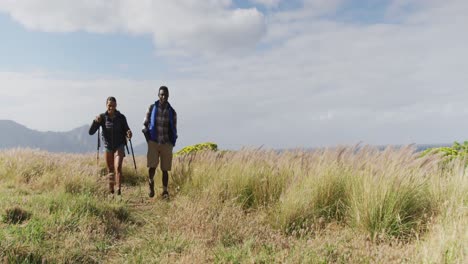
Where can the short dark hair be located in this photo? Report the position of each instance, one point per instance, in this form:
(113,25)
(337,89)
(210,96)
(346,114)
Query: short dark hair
(112,99)
(164,88)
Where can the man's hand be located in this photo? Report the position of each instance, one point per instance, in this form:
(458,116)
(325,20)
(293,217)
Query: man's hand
(129,134)
(98,119)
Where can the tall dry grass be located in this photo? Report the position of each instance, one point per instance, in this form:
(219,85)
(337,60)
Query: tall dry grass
(345,205)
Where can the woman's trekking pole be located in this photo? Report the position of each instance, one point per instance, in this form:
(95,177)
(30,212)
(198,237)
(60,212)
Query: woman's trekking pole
(133,154)
(134,164)
(126,146)
(98,146)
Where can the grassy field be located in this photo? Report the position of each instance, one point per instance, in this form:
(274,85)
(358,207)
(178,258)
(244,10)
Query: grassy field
(343,205)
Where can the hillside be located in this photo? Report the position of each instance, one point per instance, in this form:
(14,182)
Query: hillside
(253,206)
(14,135)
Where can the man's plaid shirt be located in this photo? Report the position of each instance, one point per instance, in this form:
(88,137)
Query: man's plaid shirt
(162,122)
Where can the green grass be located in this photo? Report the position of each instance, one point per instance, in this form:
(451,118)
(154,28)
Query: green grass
(341,205)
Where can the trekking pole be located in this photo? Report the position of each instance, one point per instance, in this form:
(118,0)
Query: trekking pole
(98,146)
(133,154)
(134,164)
(126,146)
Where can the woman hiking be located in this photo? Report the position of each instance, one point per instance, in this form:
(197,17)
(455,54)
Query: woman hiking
(115,132)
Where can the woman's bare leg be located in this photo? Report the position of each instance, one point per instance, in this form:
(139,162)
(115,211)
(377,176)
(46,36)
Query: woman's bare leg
(110,170)
(118,160)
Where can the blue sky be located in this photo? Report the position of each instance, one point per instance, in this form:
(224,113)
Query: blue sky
(277,73)
(78,52)
(128,55)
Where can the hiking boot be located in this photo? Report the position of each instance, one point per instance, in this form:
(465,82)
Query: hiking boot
(111,178)
(119,192)
(151,189)
(165,195)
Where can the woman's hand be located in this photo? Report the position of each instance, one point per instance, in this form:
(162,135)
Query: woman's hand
(129,134)
(98,119)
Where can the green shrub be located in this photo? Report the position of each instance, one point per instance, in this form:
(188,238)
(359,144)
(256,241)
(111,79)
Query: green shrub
(197,147)
(457,150)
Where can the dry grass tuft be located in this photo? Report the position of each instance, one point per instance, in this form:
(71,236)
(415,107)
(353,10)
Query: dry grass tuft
(342,205)
(15,215)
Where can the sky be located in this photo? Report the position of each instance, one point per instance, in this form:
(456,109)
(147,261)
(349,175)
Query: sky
(243,73)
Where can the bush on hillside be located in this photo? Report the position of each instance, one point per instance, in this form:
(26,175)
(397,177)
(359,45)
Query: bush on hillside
(197,147)
(457,150)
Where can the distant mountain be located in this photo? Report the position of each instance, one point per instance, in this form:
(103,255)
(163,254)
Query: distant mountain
(14,135)
(140,149)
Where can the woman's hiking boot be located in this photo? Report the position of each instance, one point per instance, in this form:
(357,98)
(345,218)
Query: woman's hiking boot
(165,195)
(111,178)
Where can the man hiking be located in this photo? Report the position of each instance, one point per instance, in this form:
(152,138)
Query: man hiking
(160,129)
(115,132)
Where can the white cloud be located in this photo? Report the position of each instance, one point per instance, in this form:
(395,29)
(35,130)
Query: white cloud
(322,5)
(65,16)
(319,82)
(311,9)
(267,3)
(363,80)
(200,27)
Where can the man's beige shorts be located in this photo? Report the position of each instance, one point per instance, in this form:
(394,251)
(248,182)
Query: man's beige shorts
(159,151)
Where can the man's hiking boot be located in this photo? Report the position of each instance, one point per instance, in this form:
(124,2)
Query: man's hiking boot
(119,192)
(151,188)
(165,195)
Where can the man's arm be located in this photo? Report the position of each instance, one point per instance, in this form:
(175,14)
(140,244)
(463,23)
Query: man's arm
(147,118)
(146,122)
(175,120)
